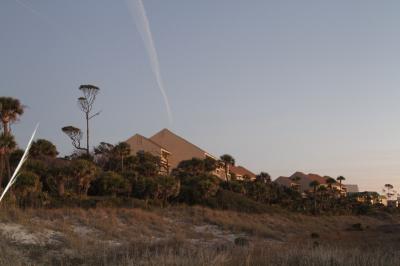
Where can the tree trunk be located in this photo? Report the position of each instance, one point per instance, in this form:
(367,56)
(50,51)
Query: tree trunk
(315,200)
(86,189)
(1,169)
(6,128)
(164,202)
(226,172)
(7,165)
(61,188)
(5,158)
(87,133)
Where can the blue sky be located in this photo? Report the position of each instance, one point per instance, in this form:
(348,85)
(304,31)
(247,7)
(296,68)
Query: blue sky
(283,86)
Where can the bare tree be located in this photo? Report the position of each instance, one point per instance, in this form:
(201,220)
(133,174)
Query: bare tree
(75,134)
(85,103)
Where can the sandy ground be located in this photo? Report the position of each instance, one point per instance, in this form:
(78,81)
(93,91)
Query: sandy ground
(76,232)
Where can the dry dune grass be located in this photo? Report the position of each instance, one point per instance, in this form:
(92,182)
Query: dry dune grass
(193,236)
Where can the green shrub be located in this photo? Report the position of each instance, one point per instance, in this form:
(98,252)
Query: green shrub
(242,241)
(83,173)
(362,209)
(314,235)
(27,181)
(198,189)
(110,184)
(168,188)
(144,188)
(228,200)
(357,227)
(234,185)
(36,166)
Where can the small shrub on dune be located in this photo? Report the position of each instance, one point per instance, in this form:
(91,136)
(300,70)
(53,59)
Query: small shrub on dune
(110,184)
(228,200)
(314,235)
(198,189)
(242,241)
(357,227)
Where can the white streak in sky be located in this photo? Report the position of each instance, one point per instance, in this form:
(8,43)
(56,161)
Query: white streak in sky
(136,7)
(21,162)
(34,11)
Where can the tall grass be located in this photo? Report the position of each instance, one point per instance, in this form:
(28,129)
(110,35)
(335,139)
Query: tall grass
(167,237)
(170,253)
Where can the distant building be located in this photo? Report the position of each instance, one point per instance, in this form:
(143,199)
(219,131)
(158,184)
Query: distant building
(392,203)
(241,173)
(351,188)
(301,182)
(180,148)
(286,182)
(139,143)
(388,202)
(173,149)
(370,197)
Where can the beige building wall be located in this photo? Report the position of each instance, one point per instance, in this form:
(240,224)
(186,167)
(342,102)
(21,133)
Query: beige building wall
(140,143)
(180,148)
(284,181)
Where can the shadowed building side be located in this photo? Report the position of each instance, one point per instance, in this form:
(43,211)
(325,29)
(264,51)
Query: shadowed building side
(351,188)
(301,182)
(241,173)
(173,149)
(180,148)
(285,181)
(139,143)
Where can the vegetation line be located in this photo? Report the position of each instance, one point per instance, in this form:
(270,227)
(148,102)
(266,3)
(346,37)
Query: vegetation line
(21,162)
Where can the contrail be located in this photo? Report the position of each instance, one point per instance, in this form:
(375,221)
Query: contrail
(21,162)
(142,23)
(34,11)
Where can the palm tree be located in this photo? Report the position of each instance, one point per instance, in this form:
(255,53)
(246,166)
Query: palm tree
(84,172)
(7,144)
(264,178)
(122,150)
(103,153)
(322,192)
(168,187)
(330,181)
(227,160)
(314,184)
(10,110)
(340,179)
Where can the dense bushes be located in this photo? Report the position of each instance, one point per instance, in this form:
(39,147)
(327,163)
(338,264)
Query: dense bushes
(112,177)
(27,190)
(162,188)
(228,200)
(168,188)
(197,189)
(110,184)
(27,181)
